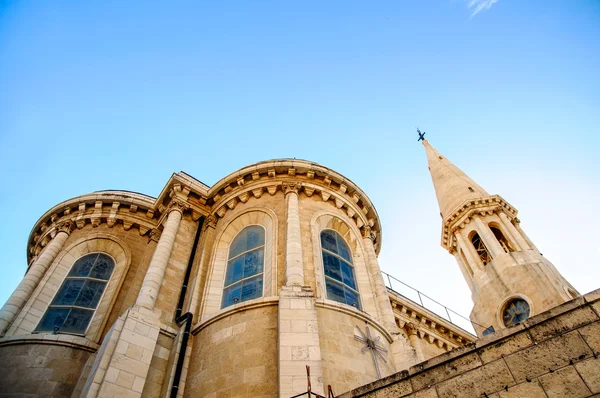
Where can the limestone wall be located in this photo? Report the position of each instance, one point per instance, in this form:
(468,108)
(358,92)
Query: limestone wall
(40,368)
(345,366)
(235,355)
(554,354)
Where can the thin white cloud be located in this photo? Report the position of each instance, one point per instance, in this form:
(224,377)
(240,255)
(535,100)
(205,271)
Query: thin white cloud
(476,6)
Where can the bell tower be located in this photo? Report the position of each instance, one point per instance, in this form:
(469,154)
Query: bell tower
(510,280)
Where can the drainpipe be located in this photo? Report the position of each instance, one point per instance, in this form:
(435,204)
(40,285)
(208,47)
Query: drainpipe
(187,317)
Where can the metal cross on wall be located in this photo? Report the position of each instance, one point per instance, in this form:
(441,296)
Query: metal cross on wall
(372,345)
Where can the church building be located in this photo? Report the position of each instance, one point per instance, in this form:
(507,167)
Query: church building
(234,290)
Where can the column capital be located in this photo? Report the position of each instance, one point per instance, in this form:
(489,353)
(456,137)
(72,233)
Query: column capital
(367,233)
(292,186)
(178,205)
(65,226)
(411,329)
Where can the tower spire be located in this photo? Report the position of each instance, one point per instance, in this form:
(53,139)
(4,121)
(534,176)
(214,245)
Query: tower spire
(452,186)
(508,277)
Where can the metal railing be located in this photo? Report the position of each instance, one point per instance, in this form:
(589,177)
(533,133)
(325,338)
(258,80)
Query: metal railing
(419,298)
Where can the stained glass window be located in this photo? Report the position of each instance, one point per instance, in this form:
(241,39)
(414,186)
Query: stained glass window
(340,281)
(245,265)
(73,306)
(515,311)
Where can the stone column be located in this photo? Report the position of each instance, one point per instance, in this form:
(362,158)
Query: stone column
(383,299)
(522,234)
(489,238)
(23,292)
(294,268)
(158,264)
(512,230)
(415,341)
(469,251)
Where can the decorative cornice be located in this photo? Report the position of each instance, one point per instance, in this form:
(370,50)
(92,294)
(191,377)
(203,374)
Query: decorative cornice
(463,214)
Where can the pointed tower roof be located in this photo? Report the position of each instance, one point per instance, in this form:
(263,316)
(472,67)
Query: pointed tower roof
(452,186)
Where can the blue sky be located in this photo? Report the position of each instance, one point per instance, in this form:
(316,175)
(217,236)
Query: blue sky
(107,95)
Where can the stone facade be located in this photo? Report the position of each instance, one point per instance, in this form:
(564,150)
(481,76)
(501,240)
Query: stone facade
(164,325)
(553,354)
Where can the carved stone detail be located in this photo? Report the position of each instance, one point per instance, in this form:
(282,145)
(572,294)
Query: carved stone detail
(65,226)
(339,203)
(257,193)
(411,329)
(221,212)
(154,235)
(289,187)
(244,197)
(210,221)
(231,203)
(178,205)
(309,191)
(325,196)
(272,189)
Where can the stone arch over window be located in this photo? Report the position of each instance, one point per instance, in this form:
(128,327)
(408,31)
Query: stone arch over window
(77,299)
(326,220)
(505,243)
(480,248)
(245,266)
(57,273)
(228,228)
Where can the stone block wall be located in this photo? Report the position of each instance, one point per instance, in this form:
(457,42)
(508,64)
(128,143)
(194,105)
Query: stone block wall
(345,366)
(235,355)
(553,354)
(40,369)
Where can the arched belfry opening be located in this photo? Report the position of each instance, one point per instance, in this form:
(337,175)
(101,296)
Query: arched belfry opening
(502,239)
(480,248)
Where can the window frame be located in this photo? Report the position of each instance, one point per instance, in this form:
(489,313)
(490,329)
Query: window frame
(323,250)
(263,246)
(67,278)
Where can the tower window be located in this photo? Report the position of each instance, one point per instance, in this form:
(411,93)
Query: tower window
(480,248)
(502,239)
(73,306)
(245,265)
(340,281)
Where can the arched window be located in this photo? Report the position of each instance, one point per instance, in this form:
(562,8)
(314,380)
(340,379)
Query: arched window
(339,272)
(245,265)
(480,248)
(502,239)
(73,306)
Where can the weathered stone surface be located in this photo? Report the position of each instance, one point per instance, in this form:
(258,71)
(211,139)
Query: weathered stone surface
(505,347)
(55,372)
(564,383)
(591,335)
(524,390)
(566,321)
(550,354)
(445,371)
(474,383)
(589,370)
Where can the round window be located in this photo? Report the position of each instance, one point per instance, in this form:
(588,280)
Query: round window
(515,311)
